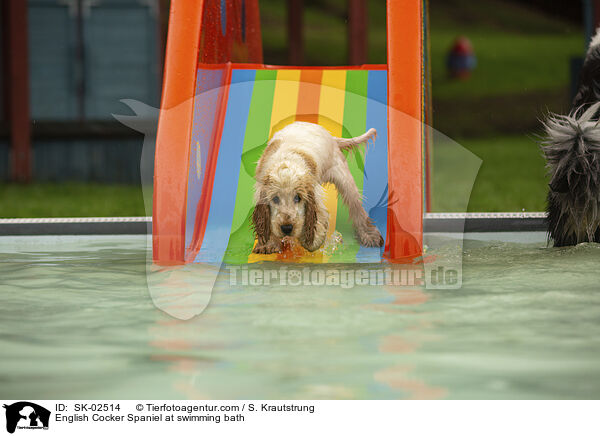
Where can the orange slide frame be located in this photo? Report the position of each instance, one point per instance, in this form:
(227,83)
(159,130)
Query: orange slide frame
(184,51)
(405,129)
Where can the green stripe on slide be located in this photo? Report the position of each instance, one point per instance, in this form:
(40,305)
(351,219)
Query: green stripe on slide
(355,122)
(255,140)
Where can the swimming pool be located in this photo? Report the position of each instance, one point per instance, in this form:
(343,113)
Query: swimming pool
(77,322)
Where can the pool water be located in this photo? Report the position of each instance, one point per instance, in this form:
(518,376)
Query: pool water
(77,321)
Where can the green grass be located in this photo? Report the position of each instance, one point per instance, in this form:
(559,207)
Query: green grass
(511,177)
(519,50)
(70,200)
(506,63)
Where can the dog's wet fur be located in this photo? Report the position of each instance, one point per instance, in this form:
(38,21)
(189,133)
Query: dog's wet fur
(571,147)
(288,192)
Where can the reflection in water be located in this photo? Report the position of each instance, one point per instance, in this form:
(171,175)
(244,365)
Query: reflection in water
(401,377)
(182,291)
(77,321)
(286,329)
(174,346)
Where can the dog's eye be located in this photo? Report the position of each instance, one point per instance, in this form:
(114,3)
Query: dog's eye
(296,198)
(276,200)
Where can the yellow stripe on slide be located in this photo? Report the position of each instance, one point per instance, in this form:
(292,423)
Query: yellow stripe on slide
(331,116)
(285,103)
(331,103)
(285,100)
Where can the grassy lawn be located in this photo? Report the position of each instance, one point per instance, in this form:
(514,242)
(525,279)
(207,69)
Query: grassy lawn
(506,63)
(70,200)
(518,50)
(511,177)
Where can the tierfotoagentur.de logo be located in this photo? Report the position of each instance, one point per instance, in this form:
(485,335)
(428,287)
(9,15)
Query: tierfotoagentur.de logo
(346,278)
(25,415)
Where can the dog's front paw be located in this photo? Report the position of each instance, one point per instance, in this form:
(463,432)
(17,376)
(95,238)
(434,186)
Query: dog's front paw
(370,237)
(268,248)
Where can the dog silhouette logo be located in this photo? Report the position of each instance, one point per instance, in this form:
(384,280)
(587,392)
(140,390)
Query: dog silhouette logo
(26,415)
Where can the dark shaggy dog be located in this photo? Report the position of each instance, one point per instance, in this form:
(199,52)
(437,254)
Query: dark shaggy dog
(572,151)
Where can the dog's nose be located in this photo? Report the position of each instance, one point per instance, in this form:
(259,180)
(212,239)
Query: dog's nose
(287,229)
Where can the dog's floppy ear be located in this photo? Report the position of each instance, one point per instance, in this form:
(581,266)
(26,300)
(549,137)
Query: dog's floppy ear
(310,220)
(261,221)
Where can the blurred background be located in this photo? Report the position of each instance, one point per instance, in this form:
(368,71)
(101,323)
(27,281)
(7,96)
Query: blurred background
(497,66)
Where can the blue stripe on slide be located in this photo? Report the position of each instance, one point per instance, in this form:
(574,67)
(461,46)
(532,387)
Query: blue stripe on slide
(220,216)
(376,174)
(206,107)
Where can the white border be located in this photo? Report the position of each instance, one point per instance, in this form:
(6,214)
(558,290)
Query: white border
(148,219)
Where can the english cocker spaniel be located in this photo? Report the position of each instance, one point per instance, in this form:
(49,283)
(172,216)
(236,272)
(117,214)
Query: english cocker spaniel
(288,193)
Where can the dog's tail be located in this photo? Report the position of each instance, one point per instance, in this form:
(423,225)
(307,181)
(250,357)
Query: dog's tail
(352,143)
(572,151)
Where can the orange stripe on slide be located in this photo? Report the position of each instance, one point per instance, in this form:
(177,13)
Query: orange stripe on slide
(308,96)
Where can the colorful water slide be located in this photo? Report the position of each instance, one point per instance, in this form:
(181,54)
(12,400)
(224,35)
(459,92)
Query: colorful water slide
(221,105)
